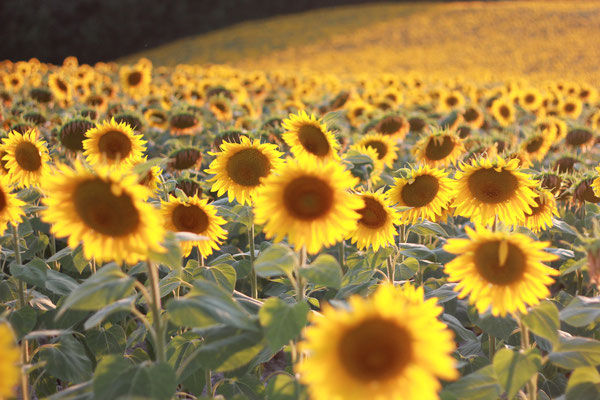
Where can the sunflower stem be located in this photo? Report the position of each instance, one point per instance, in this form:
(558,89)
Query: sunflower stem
(21,289)
(209,386)
(253,277)
(491,347)
(21,301)
(525,346)
(156,309)
(341,254)
(390,270)
(579,276)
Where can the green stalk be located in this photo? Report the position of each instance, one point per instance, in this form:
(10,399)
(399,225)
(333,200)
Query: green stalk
(253,277)
(492,346)
(156,309)
(21,302)
(525,345)
(209,386)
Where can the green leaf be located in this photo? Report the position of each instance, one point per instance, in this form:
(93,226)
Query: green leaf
(223,275)
(581,311)
(179,349)
(118,378)
(276,260)
(107,285)
(106,341)
(33,273)
(500,327)
(324,271)
(543,321)
(428,228)
(576,352)
(231,351)
(584,384)
(23,321)
(513,368)
(66,360)
(283,387)
(172,255)
(480,385)
(119,305)
(282,321)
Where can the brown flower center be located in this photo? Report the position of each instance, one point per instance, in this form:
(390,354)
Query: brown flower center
(134,78)
(375,349)
(492,187)
(189,218)
(103,211)
(308,198)
(439,148)
(373,215)
(247,166)
(28,156)
(2,200)
(115,145)
(313,140)
(534,144)
(380,147)
(500,262)
(421,192)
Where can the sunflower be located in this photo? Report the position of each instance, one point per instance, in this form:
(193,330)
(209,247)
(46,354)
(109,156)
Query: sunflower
(580,138)
(540,217)
(26,158)
(537,145)
(196,216)
(10,206)
(309,202)
(184,123)
(113,144)
(149,177)
(239,168)
(394,126)
(530,99)
(220,106)
(427,190)
(488,188)
(185,158)
(156,118)
(500,269)
(105,210)
(387,150)
(503,111)
(594,120)
(60,87)
(309,137)
(473,117)
(135,80)
(13,81)
(72,133)
(9,362)
(571,108)
(376,225)
(449,100)
(388,346)
(439,148)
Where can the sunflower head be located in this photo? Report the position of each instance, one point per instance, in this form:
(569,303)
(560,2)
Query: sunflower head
(473,116)
(540,217)
(185,158)
(385,146)
(309,138)
(536,146)
(135,80)
(500,269)
(580,138)
(583,191)
(439,148)
(131,119)
(9,362)
(503,111)
(26,158)
(72,133)
(376,224)
(390,345)
(184,123)
(114,144)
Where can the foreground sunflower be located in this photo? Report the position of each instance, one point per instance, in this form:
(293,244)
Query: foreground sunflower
(440,148)
(500,269)
(487,189)
(10,206)
(388,346)
(9,362)
(540,217)
(427,190)
(239,168)
(114,144)
(308,137)
(26,158)
(309,202)
(387,150)
(376,225)
(105,210)
(196,216)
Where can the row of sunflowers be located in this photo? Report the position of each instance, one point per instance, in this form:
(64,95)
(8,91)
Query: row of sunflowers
(204,231)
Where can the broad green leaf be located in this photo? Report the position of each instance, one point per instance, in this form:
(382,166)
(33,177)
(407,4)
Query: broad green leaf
(581,311)
(66,359)
(23,321)
(107,285)
(584,384)
(228,349)
(281,321)
(576,352)
(118,378)
(119,305)
(543,321)
(172,255)
(428,228)
(443,294)
(276,260)
(179,349)
(324,271)
(223,275)
(283,387)
(247,387)
(500,327)
(513,368)
(479,385)
(106,341)
(33,273)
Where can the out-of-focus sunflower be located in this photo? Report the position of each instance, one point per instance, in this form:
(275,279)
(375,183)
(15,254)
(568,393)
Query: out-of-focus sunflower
(156,118)
(388,346)
(149,177)
(26,158)
(552,126)
(450,100)
(386,147)
(309,138)
(571,108)
(503,111)
(240,168)
(594,120)
(9,362)
(221,107)
(473,117)
(426,189)
(488,189)
(10,206)
(196,216)
(60,87)
(439,148)
(584,191)
(540,217)
(580,138)
(184,123)
(105,210)
(537,145)
(395,126)
(376,225)
(530,99)
(113,144)
(72,133)
(358,111)
(135,80)
(13,81)
(309,202)
(185,158)
(500,269)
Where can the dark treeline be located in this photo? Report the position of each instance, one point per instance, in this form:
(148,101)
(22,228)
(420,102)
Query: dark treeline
(102,30)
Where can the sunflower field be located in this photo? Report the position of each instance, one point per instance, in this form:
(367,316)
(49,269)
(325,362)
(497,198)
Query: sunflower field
(249,230)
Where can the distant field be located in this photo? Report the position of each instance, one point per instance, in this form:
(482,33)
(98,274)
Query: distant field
(489,40)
